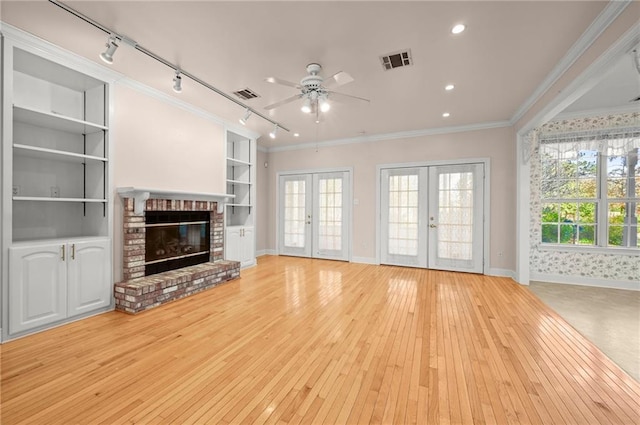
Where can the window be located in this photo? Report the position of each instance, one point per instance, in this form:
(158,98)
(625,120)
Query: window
(590,189)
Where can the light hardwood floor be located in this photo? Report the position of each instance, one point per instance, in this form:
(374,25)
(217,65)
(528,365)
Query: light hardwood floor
(311,341)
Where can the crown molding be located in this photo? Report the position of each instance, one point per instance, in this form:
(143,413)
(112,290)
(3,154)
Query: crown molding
(591,76)
(591,34)
(626,109)
(391,136)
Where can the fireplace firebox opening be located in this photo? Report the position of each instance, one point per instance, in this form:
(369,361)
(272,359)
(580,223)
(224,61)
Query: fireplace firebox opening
(176,239)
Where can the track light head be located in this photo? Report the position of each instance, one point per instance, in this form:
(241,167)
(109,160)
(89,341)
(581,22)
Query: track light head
(112,46)
(177,82)
(246,116)
(274,132)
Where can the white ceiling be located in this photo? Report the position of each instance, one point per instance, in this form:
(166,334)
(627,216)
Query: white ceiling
(496,64)
(614,92)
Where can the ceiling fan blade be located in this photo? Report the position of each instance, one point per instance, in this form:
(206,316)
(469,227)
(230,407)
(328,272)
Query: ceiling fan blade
(282,82)
(283,102)
(338,79)
(342,96)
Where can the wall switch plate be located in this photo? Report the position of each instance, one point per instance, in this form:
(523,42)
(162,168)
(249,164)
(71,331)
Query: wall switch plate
(55,192)
(16,190)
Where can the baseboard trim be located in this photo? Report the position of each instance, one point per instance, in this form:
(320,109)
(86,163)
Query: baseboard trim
(501,273)
(364,260)
(262,252)
(585,281)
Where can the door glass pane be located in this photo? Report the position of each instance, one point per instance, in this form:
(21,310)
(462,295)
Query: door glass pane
(455,216)
(403,215)
(294,214)
(330,214)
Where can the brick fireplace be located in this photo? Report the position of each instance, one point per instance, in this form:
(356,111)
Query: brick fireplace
(138,292)
(134,250)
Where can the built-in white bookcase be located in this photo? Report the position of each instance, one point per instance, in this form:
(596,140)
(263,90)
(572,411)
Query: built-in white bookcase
(60,151)
(56,210)
(240,244)
(240,180)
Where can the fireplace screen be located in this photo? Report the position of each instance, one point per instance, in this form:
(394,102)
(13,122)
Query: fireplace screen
(176,239)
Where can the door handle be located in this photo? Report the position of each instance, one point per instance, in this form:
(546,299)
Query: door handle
(62,252)
(73,251)
(433,226)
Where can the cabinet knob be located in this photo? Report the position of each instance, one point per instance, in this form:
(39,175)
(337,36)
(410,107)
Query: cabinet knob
(73,251)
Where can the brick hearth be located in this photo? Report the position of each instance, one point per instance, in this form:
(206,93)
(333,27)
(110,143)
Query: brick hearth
(137,292)
(143,293)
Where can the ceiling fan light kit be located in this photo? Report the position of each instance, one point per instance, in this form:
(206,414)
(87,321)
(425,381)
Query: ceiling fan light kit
(315,90)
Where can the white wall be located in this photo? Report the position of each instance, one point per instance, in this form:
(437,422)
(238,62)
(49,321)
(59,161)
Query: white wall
(156,144)
(263,203)
(496,144)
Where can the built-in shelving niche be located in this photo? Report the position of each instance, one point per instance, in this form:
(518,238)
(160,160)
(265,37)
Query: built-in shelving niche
(60,151)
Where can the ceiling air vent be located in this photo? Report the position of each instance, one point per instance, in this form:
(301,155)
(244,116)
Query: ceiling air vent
(396,59)
(246,94)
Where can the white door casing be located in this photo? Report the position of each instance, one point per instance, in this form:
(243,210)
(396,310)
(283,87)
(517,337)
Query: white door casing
(432,216)
(314,215)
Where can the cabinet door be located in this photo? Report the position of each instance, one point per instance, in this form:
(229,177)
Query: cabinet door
(233,243)
(89,282)
(37,286)
(248,248)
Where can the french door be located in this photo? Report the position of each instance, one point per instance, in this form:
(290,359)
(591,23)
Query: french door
(314,212)
(432,217)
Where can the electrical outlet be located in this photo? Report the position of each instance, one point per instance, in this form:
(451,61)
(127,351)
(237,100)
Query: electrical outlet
(16,190)
(55,192)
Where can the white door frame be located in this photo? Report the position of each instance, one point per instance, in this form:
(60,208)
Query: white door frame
(487,196)
(317,171)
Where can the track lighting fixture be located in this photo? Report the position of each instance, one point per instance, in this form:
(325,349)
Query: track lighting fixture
(112,46)
(306,106)
(177,82)
(117,39)
(246,116)
(274,132)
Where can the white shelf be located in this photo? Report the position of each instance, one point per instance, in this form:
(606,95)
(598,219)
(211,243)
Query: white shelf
(57,239)
(54,121)
(233,161)
(229,181)
(50,199)
(44,153)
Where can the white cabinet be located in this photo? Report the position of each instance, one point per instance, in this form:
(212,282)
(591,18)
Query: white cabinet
(51,282)
(240,245)
(88,276)
(56,186)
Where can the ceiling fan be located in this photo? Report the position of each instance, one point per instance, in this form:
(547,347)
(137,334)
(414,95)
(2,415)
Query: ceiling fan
(315,90)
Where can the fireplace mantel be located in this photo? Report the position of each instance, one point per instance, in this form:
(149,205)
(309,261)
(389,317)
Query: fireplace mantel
(140,196)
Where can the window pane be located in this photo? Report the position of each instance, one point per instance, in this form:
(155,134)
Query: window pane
(550,233)
(623,224)
(403,215)
(587,235)
(570,175)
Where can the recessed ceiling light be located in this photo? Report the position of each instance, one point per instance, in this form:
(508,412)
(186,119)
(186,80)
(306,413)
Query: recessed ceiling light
(449,87)
(296,134)
(446,115)
(457,29)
